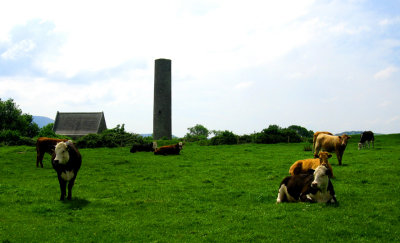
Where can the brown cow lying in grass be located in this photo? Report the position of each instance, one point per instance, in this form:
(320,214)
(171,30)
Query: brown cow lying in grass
(331,144)
(45,145)
(302,166)
(169,149)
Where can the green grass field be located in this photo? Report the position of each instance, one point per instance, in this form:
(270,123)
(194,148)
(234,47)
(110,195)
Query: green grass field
(206,194)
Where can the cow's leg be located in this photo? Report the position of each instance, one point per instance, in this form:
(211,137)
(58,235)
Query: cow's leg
(282,194)
(70,185)
(39,159)
(339,156)
(63,187)
(316,151)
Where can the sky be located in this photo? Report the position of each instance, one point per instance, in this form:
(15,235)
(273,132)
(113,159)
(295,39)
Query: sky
(236,65)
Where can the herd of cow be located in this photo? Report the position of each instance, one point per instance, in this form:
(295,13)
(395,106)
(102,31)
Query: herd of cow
(309,179)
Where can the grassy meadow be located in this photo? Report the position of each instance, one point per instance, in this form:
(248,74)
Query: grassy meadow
(206,194)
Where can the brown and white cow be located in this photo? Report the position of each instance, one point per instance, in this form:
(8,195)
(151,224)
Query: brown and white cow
(169,149)
(45,145)
(315,137)
(366,137)
(302,166)
(312,187)
(66,161)
(331,144)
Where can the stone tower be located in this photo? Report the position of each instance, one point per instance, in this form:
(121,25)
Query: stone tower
(162,125)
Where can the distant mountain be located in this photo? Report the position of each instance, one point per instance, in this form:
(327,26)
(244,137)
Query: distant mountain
(349,133)
(151,134)
(42,120)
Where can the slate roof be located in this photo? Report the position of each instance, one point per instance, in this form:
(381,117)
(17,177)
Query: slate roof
(78,124)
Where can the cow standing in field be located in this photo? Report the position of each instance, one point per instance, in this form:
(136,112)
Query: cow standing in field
(150,147)
(312,187)
(66,161)
(366,137)
(45,145)
(315,137)
(331,144)
(302,166)
(169,149)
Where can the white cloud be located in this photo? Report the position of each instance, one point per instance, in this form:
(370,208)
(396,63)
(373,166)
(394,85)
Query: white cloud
(243,85)
(235,65)
(18,50)
(389,21)
(386,73)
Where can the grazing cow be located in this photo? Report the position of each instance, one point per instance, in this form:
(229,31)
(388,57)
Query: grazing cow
(331,144)
(66,161)
(169,149)
(45,145)
(312,187)
(150,147)
(302,166)
(366,137)
(315,137)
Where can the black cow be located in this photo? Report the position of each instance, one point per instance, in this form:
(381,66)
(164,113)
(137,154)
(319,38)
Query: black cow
(150,147)
(67,161)
(312,187)
(366,137)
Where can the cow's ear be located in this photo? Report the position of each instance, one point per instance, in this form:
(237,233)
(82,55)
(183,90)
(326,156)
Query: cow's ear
(316,156)
(310,171)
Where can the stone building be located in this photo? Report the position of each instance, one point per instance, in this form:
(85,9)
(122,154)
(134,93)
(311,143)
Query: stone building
(78,124)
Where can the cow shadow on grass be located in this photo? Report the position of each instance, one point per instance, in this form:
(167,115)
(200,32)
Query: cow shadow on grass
(76,203)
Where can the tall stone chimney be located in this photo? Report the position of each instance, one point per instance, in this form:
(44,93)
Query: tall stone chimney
(162,125)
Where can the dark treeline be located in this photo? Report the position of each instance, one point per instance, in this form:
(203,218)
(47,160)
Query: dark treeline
(272,134)
(17,128)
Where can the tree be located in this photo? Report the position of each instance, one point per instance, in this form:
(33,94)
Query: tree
(12,118)
(224,137)
(303,132)
(197,133)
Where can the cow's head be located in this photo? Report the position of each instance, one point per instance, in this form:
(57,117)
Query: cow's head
(154,145)
(343,140)
(180,145)
(321,177)
(360,145)
(61,152)
(323,157)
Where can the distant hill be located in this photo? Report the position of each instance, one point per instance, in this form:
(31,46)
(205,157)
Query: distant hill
(151,134)
(42,120)
(349,133)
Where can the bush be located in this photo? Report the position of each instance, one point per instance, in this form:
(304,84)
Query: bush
(308,147)
(224,137)
(13,137)
(116,137)
(9,137)
(47,131)
(275,134)
(245,139)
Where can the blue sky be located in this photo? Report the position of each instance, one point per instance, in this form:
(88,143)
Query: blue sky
(238,66)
